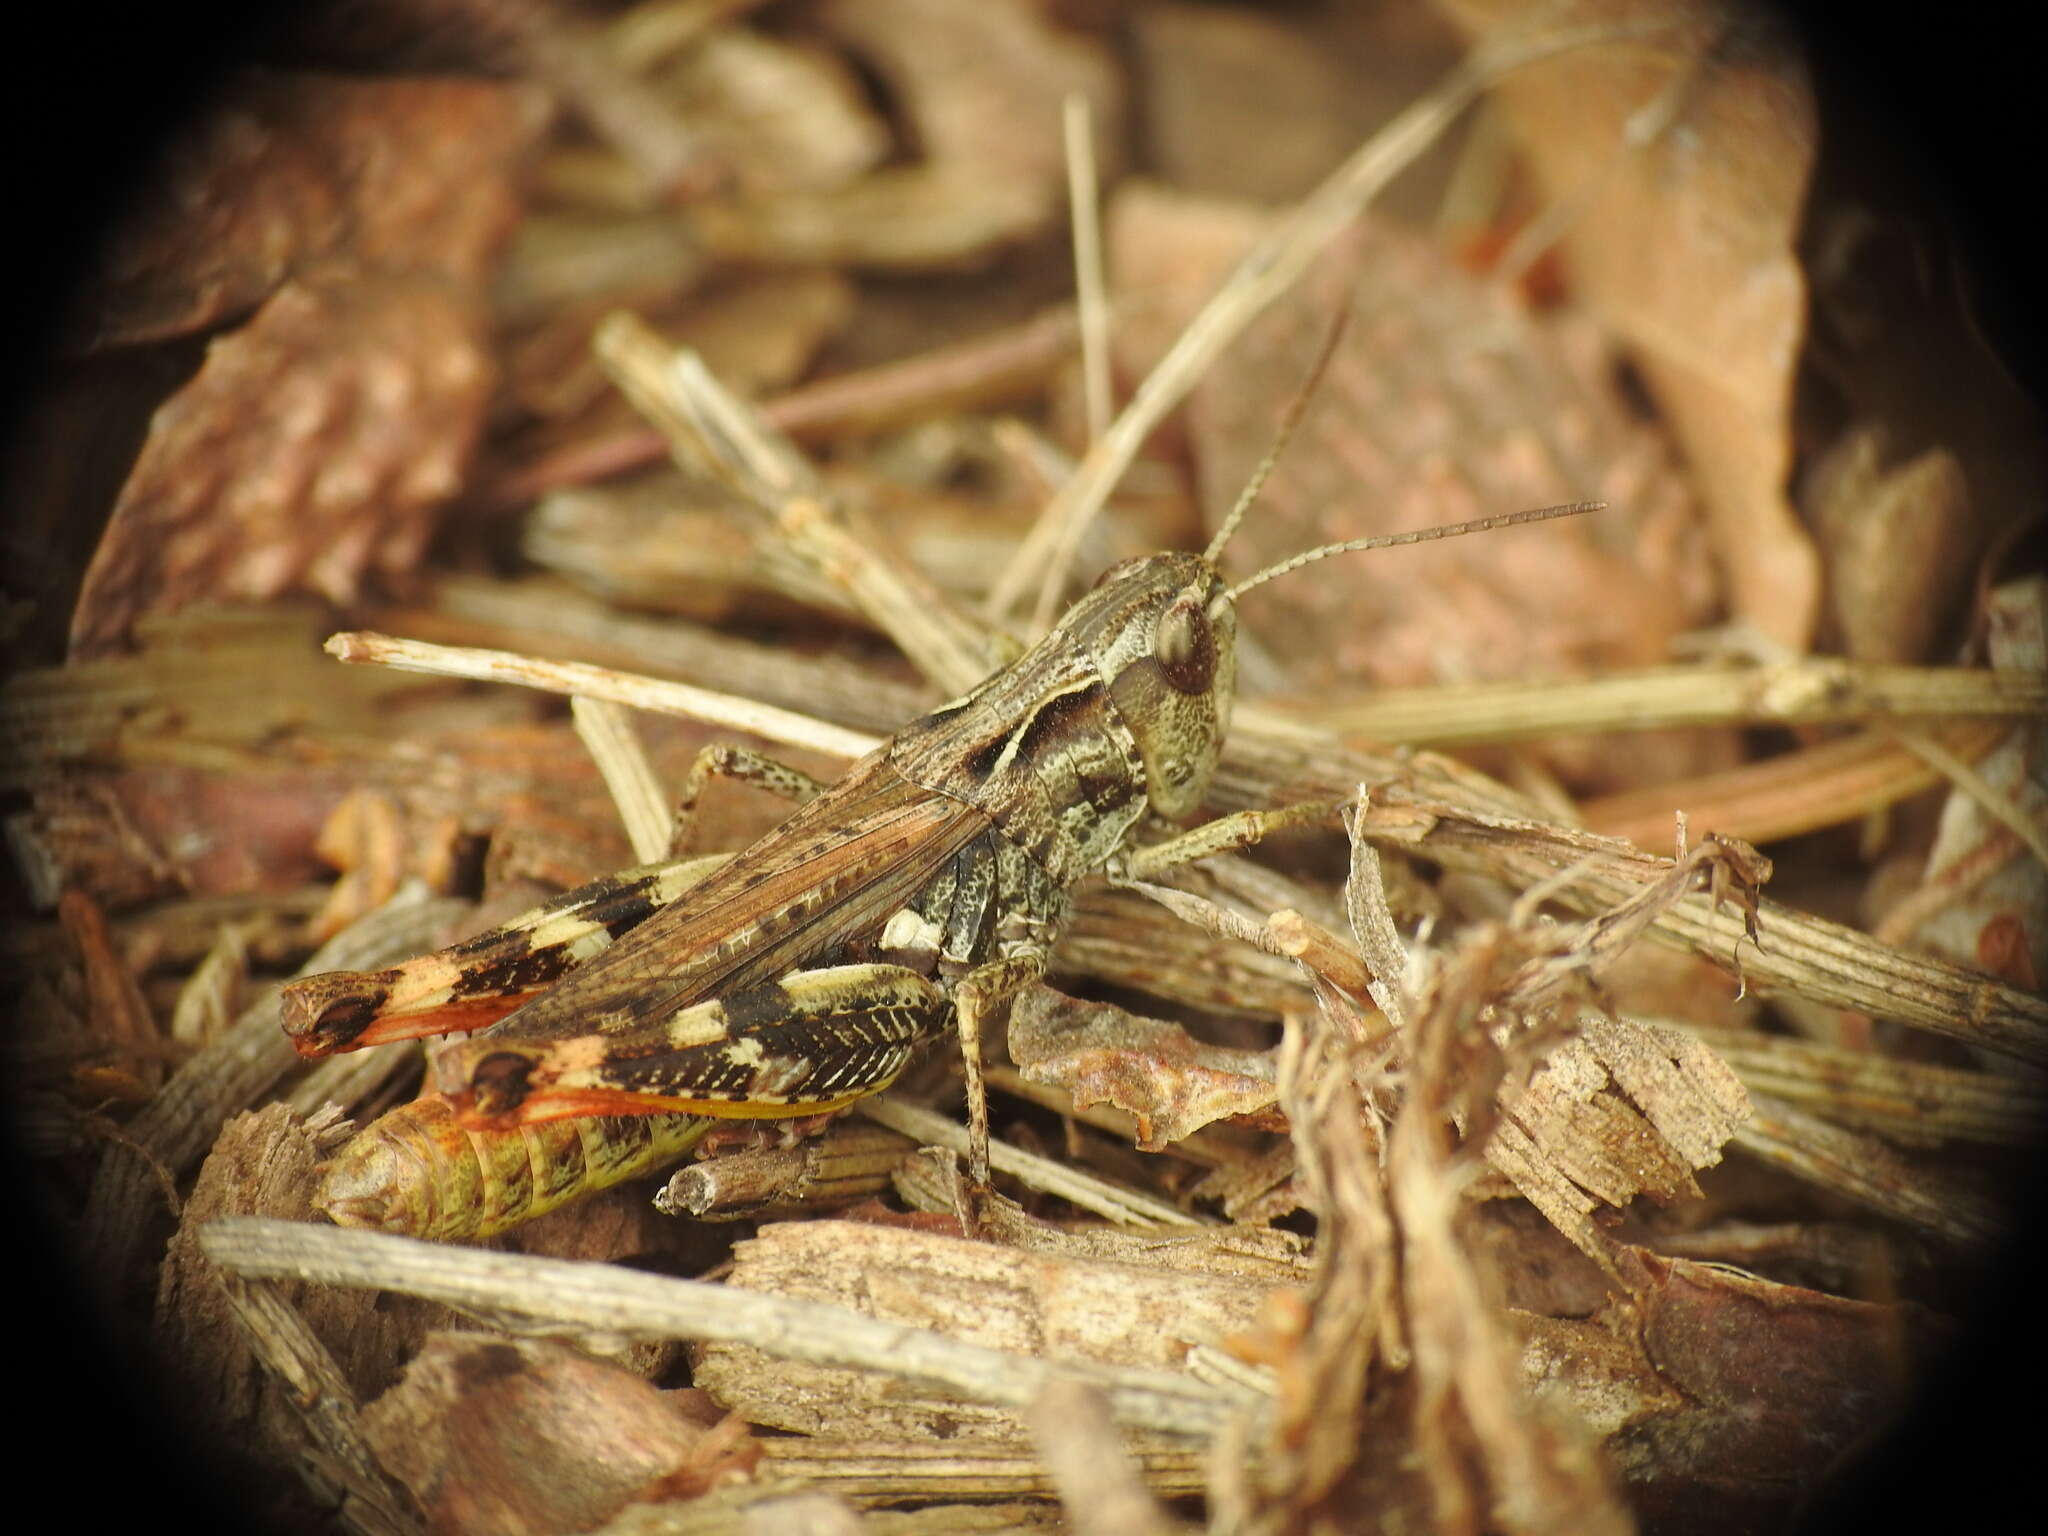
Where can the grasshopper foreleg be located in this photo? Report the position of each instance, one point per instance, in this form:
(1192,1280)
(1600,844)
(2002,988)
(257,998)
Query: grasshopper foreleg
(1226,834)
(723,760)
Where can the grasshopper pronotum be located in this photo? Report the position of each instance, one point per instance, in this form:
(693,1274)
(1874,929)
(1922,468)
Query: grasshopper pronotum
(928,885)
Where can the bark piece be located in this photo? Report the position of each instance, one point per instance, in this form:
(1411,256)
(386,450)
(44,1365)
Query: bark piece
(407,174)
(1039,1304)
(310,453)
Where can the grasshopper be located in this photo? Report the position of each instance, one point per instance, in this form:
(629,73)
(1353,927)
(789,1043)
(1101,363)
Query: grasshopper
(928,886)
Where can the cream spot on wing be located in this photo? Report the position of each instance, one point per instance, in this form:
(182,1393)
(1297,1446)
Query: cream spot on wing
(581,1056)
(702,1024)
(909,935)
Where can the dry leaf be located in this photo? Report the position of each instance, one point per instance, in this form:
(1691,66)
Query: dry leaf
(502,1437)
(1681,157)
(1901,545)
(401,174)
(1776,1384)
(312,451)
(1153,1070)
(981,87)
(1445,399)
(1147,1068)
(777,116)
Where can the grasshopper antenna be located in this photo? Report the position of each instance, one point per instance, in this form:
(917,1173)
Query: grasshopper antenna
(1416,536)
(1296,409)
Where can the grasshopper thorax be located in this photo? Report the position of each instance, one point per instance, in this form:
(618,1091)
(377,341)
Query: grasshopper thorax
(1163,635)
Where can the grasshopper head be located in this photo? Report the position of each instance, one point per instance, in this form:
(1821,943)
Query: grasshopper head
(1165,638)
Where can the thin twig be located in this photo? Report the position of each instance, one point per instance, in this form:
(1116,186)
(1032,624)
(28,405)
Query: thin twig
(1810,690)
(607,734)
(605,1298)
(1995,803)
(1268,270)
(1867,1171)
(1084,202)
(765,720)
(1443,811)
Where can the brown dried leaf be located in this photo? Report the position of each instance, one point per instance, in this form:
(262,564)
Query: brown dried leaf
(508,1437)
(1901,545)
(1683,156)
(981,87)
(777,116)
(1247,102)
(401,174)
(1719,1396)
(1169,1082)
(311,451)
(1446,398)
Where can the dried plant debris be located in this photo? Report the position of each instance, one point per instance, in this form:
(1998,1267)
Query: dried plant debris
(779,117)
(1446,398)
(497,1435)
(207,677)
(1065,1307)
(1170,1084)
(311,452)
(265,1164)
(289,172)
(316,445)
(1982,898)
(1337,1187)
(981,86)
(1674,166)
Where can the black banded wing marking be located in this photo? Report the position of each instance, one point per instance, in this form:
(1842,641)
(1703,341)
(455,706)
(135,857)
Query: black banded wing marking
(809,1043)
(473,984)
(833,872)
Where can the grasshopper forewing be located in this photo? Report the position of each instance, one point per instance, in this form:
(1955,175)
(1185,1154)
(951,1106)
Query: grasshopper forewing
(474,984)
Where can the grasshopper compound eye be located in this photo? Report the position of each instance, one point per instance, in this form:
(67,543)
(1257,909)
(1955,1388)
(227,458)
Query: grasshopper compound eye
(1184,644)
